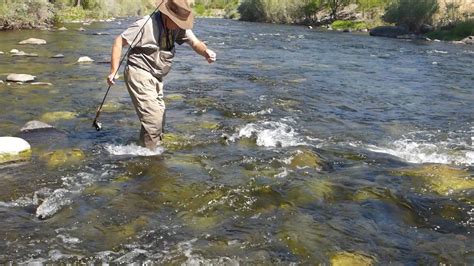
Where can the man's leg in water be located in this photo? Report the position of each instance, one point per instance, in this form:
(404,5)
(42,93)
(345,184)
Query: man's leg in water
(146,92)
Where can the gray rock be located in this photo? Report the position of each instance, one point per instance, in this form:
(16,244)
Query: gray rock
(62,28)
(35,125)
(1,52)
(85,59)
(58,56)
(468,40)
(54,203)
(81,29)
(11,149)
(389,31)
(21,53)
(20,77)
(14,51)
(33,41)
(1,81)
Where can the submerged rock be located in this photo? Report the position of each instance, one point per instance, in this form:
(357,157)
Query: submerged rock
(85,59)
(14,149)
(311,191)
(63,157)
(353,259)
(442,179)
(306,159)
(41,135)
(20,77)
(388,31)
(174,97)
(54,203)
(35,125)
(33,41)
(56,116)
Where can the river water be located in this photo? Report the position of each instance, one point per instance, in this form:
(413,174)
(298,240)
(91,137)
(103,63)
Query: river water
(296,146)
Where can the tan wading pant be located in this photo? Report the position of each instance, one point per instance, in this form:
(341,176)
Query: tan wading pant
(146,92)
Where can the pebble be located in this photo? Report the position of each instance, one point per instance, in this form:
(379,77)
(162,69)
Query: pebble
(85,59)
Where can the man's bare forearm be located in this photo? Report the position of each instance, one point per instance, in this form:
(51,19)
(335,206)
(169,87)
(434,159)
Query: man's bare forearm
(199,47)
(116,53)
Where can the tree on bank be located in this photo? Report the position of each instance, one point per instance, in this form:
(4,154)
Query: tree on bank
(411,14)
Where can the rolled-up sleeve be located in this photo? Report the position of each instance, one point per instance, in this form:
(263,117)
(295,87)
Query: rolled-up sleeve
(133,31)
(185,36)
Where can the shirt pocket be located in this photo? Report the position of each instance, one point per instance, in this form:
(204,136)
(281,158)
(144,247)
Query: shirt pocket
(165,61)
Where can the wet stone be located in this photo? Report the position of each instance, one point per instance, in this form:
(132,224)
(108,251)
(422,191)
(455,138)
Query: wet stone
(56,116)
(442,179)
(20,77)
(14,149)
(35,125)
(85,59)
(306,159)
(34,41)
(353,259)
(63,157)
(314,190)
(21,53)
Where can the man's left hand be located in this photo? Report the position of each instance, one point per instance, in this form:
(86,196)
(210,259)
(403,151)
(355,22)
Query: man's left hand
(210,56)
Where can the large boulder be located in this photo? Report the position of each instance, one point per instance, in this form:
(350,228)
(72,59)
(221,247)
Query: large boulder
(20,77)
(468,40)
(13,149)
(33,41)
(389,31)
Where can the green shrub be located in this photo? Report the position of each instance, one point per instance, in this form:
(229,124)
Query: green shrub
(348,25)
(25,14)
(277,11)
(411,13)
(456,32)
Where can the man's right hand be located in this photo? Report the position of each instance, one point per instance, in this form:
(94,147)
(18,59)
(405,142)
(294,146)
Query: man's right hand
(111,79)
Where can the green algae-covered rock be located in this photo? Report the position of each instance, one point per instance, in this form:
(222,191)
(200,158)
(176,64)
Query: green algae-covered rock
(310,191)
(442,179)
(112,107)
(351,259)
(172,141)
(306,159)
(174,97)
(56,116)
(63,157)
(14,149)
(205,102)
(302,235)
(199,125)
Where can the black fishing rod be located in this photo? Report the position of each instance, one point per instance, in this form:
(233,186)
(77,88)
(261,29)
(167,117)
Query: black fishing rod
(96,123)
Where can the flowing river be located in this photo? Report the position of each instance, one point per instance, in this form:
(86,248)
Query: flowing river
(296,146)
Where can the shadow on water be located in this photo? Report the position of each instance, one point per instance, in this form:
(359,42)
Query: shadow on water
(297,146)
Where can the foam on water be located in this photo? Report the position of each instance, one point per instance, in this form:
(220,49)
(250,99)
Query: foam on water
(271,134)
(456,149)
(132,149)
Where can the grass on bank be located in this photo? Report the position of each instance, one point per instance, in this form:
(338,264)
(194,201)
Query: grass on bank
(455,32)
(348,25)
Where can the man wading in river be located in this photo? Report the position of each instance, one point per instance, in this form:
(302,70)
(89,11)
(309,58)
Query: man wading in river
(150,59)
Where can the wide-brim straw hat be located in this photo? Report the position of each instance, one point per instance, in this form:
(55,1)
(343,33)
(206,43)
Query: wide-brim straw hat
(179,12)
